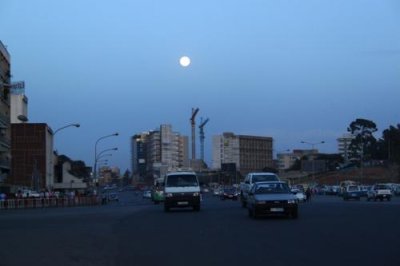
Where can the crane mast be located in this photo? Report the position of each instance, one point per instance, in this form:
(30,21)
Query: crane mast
(193,124)
(202,137)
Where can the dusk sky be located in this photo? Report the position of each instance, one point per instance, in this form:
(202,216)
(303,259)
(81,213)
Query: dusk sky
(293,70)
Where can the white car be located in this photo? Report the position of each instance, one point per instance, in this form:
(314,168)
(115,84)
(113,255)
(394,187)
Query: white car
(300,195)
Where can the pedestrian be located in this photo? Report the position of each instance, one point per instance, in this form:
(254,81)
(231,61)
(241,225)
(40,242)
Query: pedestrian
(308,194)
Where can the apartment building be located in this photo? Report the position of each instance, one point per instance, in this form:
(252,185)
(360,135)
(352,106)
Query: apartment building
(157,151)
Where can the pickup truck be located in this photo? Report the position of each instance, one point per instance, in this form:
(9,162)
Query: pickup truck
(379,191)
(250,180)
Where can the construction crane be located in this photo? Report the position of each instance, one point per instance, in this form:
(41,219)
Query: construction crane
(202,137)
(193,123)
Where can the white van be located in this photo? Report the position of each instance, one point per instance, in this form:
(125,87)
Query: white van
(181,190)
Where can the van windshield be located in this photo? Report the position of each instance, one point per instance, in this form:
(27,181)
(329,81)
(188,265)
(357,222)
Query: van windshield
(181,181)
(262,178)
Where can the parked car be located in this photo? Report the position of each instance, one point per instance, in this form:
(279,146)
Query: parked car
(379,191)
(351,192)
(26,193)
(147,194)
(229,193)
(217,191)
(272,198)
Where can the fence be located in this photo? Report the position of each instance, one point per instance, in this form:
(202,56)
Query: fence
(32,203)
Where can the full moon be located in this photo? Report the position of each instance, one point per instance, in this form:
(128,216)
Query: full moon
(184,61)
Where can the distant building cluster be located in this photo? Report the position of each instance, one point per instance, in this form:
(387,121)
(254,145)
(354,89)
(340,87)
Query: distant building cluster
(28,159)
(161,150)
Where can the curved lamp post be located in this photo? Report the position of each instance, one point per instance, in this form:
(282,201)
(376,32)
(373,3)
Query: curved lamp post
(96,155)
(69,125)
(99,156)
(313,144)
(51,170)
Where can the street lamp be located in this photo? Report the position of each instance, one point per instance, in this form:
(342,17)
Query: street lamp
(51,170)
(102,155)
(96,155)
(313,144)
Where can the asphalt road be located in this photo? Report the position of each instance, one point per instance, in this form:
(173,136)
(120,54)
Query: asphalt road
(329,231)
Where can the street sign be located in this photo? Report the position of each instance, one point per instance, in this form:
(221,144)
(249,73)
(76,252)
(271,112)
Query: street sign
(17,87)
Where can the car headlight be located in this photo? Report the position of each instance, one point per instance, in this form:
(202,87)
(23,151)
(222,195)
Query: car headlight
(260,202)
(196,194)
(168,195)
(291,201)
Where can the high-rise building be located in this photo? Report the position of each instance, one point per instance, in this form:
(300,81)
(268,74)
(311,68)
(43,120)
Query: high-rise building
(5,129)
(343,145)
(249,153)
(139,156)
(155,152)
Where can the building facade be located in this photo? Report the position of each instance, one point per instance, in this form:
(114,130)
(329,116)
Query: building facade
(5,129)
(344,144)
(138,154)
(249,153)
(19,107)
(31,150)
(225,150)
(155,152)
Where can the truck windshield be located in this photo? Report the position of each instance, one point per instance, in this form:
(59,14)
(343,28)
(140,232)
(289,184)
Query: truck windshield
(272,188)
(181,181)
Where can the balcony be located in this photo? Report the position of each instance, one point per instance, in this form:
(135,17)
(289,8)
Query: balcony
(5,144)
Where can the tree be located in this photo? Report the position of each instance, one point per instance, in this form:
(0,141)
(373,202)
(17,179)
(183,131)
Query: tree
(363,146)
(389,144)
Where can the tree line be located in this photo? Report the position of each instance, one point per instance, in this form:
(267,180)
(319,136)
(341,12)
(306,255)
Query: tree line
(365,147)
